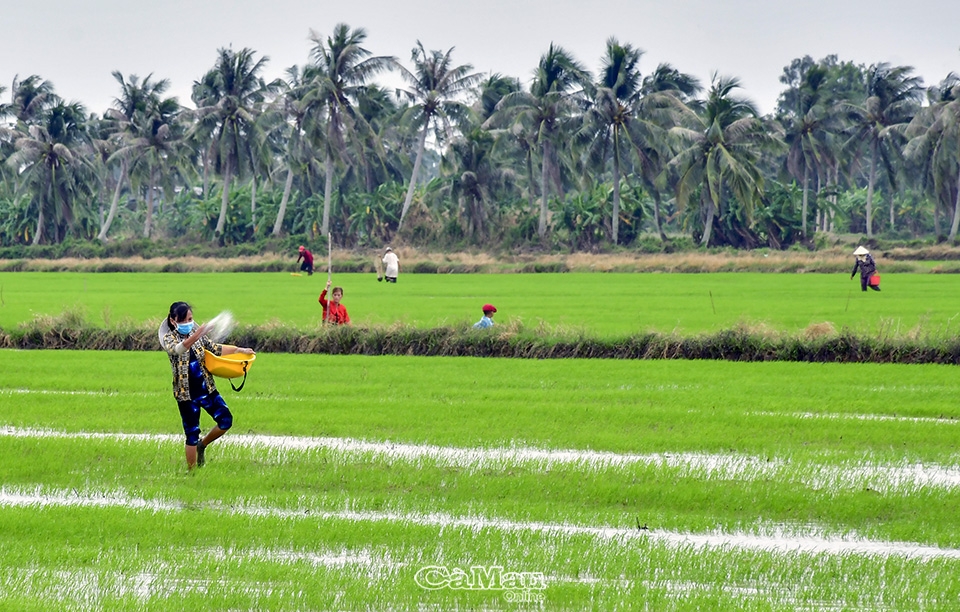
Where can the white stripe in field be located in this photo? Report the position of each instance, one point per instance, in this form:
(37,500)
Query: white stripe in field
(113,393)
(900,478)
(86,589)
(775,539)
(860,417)
(102,393)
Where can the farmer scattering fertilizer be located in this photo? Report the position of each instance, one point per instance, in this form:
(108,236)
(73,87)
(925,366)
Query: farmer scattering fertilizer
(193,387)
(868,269)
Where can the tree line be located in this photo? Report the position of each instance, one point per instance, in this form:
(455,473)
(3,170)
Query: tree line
(571,159)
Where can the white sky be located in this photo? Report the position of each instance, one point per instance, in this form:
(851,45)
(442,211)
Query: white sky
(77,43)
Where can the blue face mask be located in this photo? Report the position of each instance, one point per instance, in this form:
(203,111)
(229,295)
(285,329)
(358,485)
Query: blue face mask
(185,328)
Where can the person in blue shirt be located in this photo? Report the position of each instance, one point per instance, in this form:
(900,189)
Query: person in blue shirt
(487,320)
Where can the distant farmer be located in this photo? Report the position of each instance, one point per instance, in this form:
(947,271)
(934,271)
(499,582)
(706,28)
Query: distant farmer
(307,257)
(333,311)
(487,320)
(868,270)
(185,342)
(392,263)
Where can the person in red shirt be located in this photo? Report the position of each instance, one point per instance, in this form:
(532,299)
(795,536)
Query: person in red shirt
(333,311)
(307,257)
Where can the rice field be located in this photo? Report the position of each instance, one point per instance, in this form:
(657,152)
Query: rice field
(600,304)
(414,483)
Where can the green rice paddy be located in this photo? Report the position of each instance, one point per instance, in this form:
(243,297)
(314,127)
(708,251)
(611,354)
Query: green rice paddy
(599,304)
(419,483)
(413,483)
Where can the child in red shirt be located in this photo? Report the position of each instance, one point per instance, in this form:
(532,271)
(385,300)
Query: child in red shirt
(333,311)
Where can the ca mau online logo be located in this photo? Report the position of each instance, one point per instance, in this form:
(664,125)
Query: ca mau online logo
(517,586)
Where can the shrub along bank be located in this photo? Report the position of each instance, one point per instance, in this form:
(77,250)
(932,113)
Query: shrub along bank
(513,341)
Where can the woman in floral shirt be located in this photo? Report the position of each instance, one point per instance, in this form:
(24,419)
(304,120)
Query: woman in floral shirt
(193,386)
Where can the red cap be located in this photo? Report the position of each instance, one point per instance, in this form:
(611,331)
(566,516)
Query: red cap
(489,308)
(301,247)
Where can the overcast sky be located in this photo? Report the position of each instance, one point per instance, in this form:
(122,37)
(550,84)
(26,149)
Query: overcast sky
(76,44)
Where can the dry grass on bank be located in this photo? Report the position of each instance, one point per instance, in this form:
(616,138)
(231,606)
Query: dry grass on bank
(417,261)
(141,264)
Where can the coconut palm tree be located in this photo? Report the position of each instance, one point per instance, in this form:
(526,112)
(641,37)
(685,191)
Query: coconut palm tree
(653,154)
(30,98)
(809,125)
(935,143)
(229,98)
(473,176)
(135,99)
(555,100)
(721,154)
(383,157)
(6,134)
(342,68)
(624,118)
(877,125)
(50,158)
(154,149)
(296,103)
(608,120)
(434,85)
(667,79)
(514,141)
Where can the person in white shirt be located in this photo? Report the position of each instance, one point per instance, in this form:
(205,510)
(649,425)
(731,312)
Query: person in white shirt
(392,263)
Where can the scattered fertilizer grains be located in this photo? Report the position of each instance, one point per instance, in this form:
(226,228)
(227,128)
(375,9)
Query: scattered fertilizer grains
(220,326)
(358,483)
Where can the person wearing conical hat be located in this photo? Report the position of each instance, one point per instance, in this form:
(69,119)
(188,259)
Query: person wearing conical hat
(867,267)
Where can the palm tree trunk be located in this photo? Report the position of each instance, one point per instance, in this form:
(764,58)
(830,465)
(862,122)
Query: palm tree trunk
(821,213)
(224,200)
(544,176)
(327,195)
(892,218)
(833,198)
(283,202)
(936,218)
(873,179)
(368,177)
(531,192)
(956,213)
(253,203)
(39,232)
(206,173)
(413,175)
(806,191)
(147,221)
(708,222)
(615,219)
(656,215)
(102,236)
